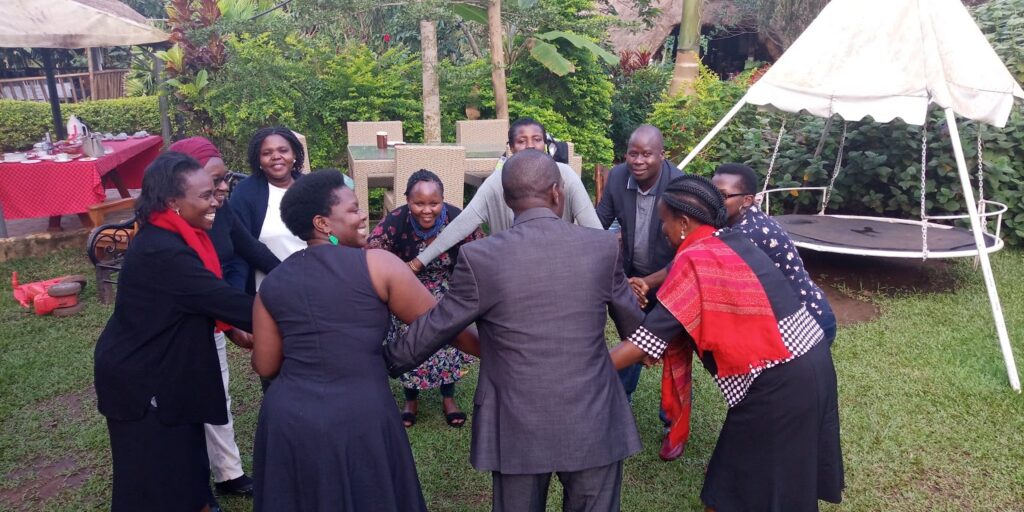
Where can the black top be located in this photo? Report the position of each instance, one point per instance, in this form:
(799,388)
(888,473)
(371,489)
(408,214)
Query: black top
(159,341)
(231,238)
(619,203)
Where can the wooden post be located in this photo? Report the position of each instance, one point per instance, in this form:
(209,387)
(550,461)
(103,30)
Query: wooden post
(494,31)
(431,85)
(92,74)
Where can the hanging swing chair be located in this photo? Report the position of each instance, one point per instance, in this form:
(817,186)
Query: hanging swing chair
(886,237)
(887,60)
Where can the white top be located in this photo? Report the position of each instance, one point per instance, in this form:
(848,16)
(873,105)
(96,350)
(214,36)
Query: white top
(274,234)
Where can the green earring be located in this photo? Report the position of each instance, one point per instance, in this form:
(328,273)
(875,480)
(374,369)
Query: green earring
(333,239)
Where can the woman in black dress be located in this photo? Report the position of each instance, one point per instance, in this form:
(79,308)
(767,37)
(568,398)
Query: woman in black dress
(158,379)
(329,436)
(779,447)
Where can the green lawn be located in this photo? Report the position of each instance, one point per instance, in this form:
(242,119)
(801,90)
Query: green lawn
(929,422)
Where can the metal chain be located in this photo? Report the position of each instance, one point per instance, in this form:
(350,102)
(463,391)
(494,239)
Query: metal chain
(924,203)
(775,153)
(981,169)
(835,172)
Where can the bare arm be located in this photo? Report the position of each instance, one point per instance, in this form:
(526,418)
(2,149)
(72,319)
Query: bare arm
(626,354)
(267,348)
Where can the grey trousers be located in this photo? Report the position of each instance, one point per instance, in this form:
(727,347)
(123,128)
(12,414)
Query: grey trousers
(589,490)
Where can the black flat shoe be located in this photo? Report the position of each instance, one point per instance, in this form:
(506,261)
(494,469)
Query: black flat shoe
(455,419)
(241,486)
(408,419)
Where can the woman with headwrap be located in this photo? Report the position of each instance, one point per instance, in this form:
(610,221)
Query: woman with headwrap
(779,447)
(229,238)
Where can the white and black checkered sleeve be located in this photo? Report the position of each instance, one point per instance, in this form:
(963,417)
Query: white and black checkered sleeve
(658,328)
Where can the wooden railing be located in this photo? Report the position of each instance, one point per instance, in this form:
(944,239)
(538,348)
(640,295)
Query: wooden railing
(71,87)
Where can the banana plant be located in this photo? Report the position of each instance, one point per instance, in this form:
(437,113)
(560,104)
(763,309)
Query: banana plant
(540,45)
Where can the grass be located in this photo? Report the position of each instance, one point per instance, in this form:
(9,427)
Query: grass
(929,422)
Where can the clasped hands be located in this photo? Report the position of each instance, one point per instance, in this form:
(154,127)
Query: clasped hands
(640,289)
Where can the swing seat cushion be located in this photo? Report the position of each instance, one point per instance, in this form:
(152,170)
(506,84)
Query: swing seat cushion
(877,234)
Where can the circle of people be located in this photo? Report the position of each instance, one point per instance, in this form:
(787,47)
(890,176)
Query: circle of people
(682,264)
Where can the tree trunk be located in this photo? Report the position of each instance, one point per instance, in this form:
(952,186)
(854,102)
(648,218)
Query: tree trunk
(687,61)
(494,32)
(431,87)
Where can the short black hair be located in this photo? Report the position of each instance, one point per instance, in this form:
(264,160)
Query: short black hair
(162,181)
(528,173)
(256,142)
(696,197)
(748,178)
(423,175)
(521,122)
(314,194)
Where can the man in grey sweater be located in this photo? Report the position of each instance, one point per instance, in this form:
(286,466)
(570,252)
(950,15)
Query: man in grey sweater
(488,204)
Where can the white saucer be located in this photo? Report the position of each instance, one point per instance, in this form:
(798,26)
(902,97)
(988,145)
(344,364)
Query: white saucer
(31,161)
(89,159)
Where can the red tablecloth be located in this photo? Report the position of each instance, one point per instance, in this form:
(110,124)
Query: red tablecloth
(50,188)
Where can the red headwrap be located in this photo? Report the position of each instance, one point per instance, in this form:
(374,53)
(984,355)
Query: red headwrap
(199,148)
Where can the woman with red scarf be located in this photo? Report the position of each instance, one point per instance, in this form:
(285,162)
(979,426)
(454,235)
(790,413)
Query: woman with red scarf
(724,298)
(158,378)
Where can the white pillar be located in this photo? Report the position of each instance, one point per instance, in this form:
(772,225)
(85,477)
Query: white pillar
(979,240)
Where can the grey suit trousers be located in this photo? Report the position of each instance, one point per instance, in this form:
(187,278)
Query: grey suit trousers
(589,490)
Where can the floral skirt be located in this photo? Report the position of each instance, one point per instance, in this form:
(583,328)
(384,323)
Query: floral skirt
(446,366)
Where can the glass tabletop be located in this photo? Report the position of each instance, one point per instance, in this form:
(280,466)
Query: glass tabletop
(472,151)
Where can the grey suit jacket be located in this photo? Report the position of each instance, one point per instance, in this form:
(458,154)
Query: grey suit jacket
(619,203)
(548,398)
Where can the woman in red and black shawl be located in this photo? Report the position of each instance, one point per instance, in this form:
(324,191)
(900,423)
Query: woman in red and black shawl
(779,447)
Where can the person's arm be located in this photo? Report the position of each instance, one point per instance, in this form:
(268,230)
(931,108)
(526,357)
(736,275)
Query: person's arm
(457,230)
(623,306)
(605,210)
(582,207)
(253,251)
(267,347)
(448,319)
(648,341)
(197,290)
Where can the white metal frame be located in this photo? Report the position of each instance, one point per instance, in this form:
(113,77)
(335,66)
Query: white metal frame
(973,215)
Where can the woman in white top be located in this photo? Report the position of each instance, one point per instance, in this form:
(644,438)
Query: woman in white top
(275,158)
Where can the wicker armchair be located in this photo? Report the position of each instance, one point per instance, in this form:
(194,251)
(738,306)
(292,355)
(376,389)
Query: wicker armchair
(305,149)
(486,131)
(448,162)
(575,161)
(365,133)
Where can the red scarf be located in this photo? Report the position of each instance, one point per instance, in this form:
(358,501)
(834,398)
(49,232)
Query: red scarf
(197,239)
(720,302)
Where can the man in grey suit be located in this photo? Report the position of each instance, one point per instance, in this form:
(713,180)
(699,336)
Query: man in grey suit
(548,399)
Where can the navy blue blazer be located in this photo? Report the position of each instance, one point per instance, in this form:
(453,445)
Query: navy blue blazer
(159,341)
(249,202)
(619,203)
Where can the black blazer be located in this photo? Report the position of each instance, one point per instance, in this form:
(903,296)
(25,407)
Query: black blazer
(249,202)
(159,341)
(230,239)
(618,202)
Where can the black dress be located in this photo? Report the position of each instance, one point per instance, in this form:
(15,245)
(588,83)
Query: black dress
(329,435)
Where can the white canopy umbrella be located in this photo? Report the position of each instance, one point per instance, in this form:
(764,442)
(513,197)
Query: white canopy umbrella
(891,59)
(74,24)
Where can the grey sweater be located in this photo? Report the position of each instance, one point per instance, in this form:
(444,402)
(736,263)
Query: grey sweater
(488,205)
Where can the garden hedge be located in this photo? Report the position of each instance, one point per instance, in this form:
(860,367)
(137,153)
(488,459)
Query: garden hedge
(23,123)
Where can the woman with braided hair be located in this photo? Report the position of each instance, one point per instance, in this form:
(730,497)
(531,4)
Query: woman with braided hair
(724,298)
(405,232)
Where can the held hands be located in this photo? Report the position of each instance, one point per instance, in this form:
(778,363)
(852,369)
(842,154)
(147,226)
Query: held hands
(240,338)
(640,289)
(415,266)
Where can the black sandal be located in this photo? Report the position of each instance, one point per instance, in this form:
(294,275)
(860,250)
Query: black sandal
(408,419)
(455,419)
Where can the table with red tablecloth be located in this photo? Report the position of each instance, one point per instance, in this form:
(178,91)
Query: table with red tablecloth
(49,188)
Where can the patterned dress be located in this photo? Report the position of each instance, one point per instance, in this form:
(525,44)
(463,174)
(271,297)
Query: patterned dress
(396,234)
